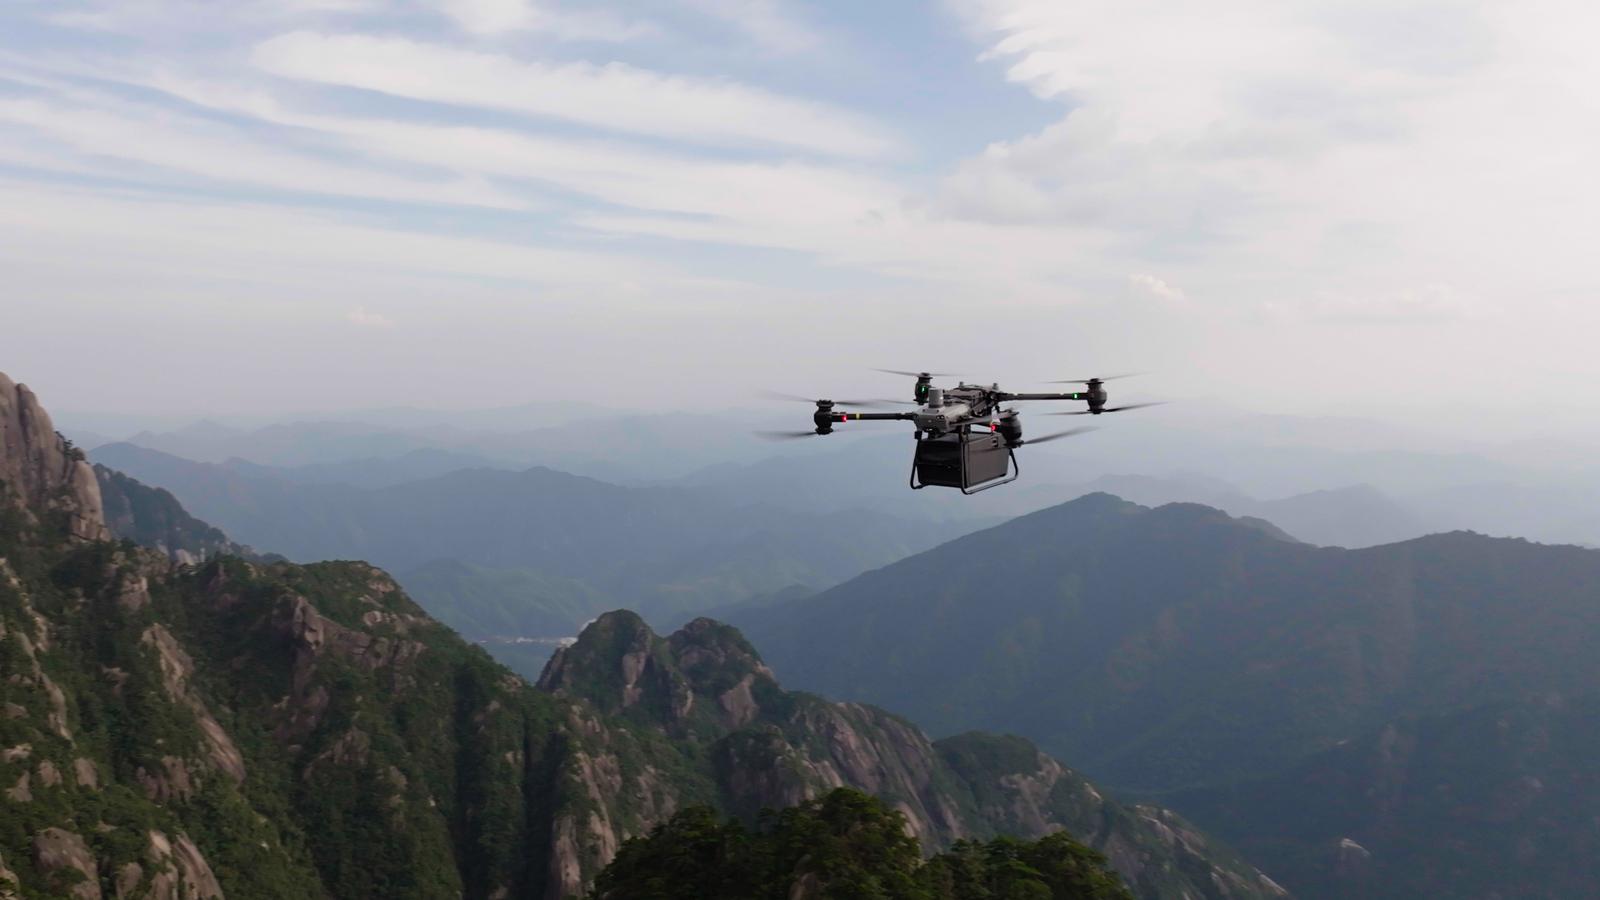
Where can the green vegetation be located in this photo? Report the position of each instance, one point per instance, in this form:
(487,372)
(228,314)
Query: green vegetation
(506,603)
(849,846)
(381,756)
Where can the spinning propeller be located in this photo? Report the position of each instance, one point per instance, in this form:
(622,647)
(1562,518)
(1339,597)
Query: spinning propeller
(1094,380)
(1108,409)
(1056,436)
(862,404)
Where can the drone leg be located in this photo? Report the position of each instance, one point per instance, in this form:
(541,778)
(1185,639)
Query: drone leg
(914,485)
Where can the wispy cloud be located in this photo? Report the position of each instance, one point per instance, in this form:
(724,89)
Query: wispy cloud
(1149,286)
(496,17)
(167,142)
(613,96)
(1300,169)
(361,317)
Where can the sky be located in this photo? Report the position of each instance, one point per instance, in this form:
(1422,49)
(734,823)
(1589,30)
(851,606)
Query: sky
(1381,208)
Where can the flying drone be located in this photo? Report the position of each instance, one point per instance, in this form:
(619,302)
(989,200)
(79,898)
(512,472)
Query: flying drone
(966,437)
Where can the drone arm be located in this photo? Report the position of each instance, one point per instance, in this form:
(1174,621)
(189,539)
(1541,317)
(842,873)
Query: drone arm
(871,417)
(1004,398)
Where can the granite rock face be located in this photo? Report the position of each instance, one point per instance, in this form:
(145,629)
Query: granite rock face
(765,747)
(46,474)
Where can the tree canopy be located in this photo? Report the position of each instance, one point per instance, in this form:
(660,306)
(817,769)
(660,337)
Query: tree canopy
(845,845)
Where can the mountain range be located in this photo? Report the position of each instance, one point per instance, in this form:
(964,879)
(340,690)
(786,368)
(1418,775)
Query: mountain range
(666,552)
(1317,706)
(196,729)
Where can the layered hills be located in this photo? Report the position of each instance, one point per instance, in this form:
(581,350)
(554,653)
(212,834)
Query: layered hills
(1312,704)
(196,728)
(666,552)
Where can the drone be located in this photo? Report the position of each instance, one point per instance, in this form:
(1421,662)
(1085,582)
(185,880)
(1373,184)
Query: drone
(966,436)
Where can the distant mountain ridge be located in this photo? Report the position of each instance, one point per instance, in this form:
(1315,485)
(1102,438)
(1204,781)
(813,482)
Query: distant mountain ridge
(154,518)
(666,552)
(1178,651)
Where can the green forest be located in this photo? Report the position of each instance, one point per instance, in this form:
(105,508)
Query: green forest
(845,845)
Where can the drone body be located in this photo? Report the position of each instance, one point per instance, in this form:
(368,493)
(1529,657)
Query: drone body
(966,436)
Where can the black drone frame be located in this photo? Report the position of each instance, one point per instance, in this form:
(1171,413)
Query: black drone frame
(973,446)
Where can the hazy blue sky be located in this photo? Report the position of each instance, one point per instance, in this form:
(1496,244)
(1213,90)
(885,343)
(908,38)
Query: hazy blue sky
(290,204)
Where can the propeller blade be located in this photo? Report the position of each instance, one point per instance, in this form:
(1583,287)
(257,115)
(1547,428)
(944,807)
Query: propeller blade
(784,435)
(1109,409)
(1135,405)
(1087,380)
(917,374)
(1057,436)
(864,404)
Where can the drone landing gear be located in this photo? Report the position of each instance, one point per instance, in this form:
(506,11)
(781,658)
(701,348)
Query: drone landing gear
(973,462)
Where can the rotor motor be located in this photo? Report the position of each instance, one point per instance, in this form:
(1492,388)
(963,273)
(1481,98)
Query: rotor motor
(1097,396)
(1011,428)
(823,417)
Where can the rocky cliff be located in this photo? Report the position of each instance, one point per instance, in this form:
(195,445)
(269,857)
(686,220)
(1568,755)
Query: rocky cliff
(45,474)
(761,746)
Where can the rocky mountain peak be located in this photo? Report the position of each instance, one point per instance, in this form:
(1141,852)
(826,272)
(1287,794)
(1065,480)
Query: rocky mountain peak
(41,471)
(703,677)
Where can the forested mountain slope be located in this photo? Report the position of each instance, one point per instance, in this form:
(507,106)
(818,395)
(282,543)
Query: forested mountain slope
(1179,650)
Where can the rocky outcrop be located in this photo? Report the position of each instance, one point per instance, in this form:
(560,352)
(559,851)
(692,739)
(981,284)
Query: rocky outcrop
(9,882)
(176,670)
(65,859)
(770,748)
(181,870)
(44,474)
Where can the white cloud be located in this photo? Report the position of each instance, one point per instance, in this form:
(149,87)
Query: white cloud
(165,19)
(132,236)
(490,16)
(495,17)
(1144,285)
(362,318)
(197,148)
(614,96)
(1285,152)
(753,196)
